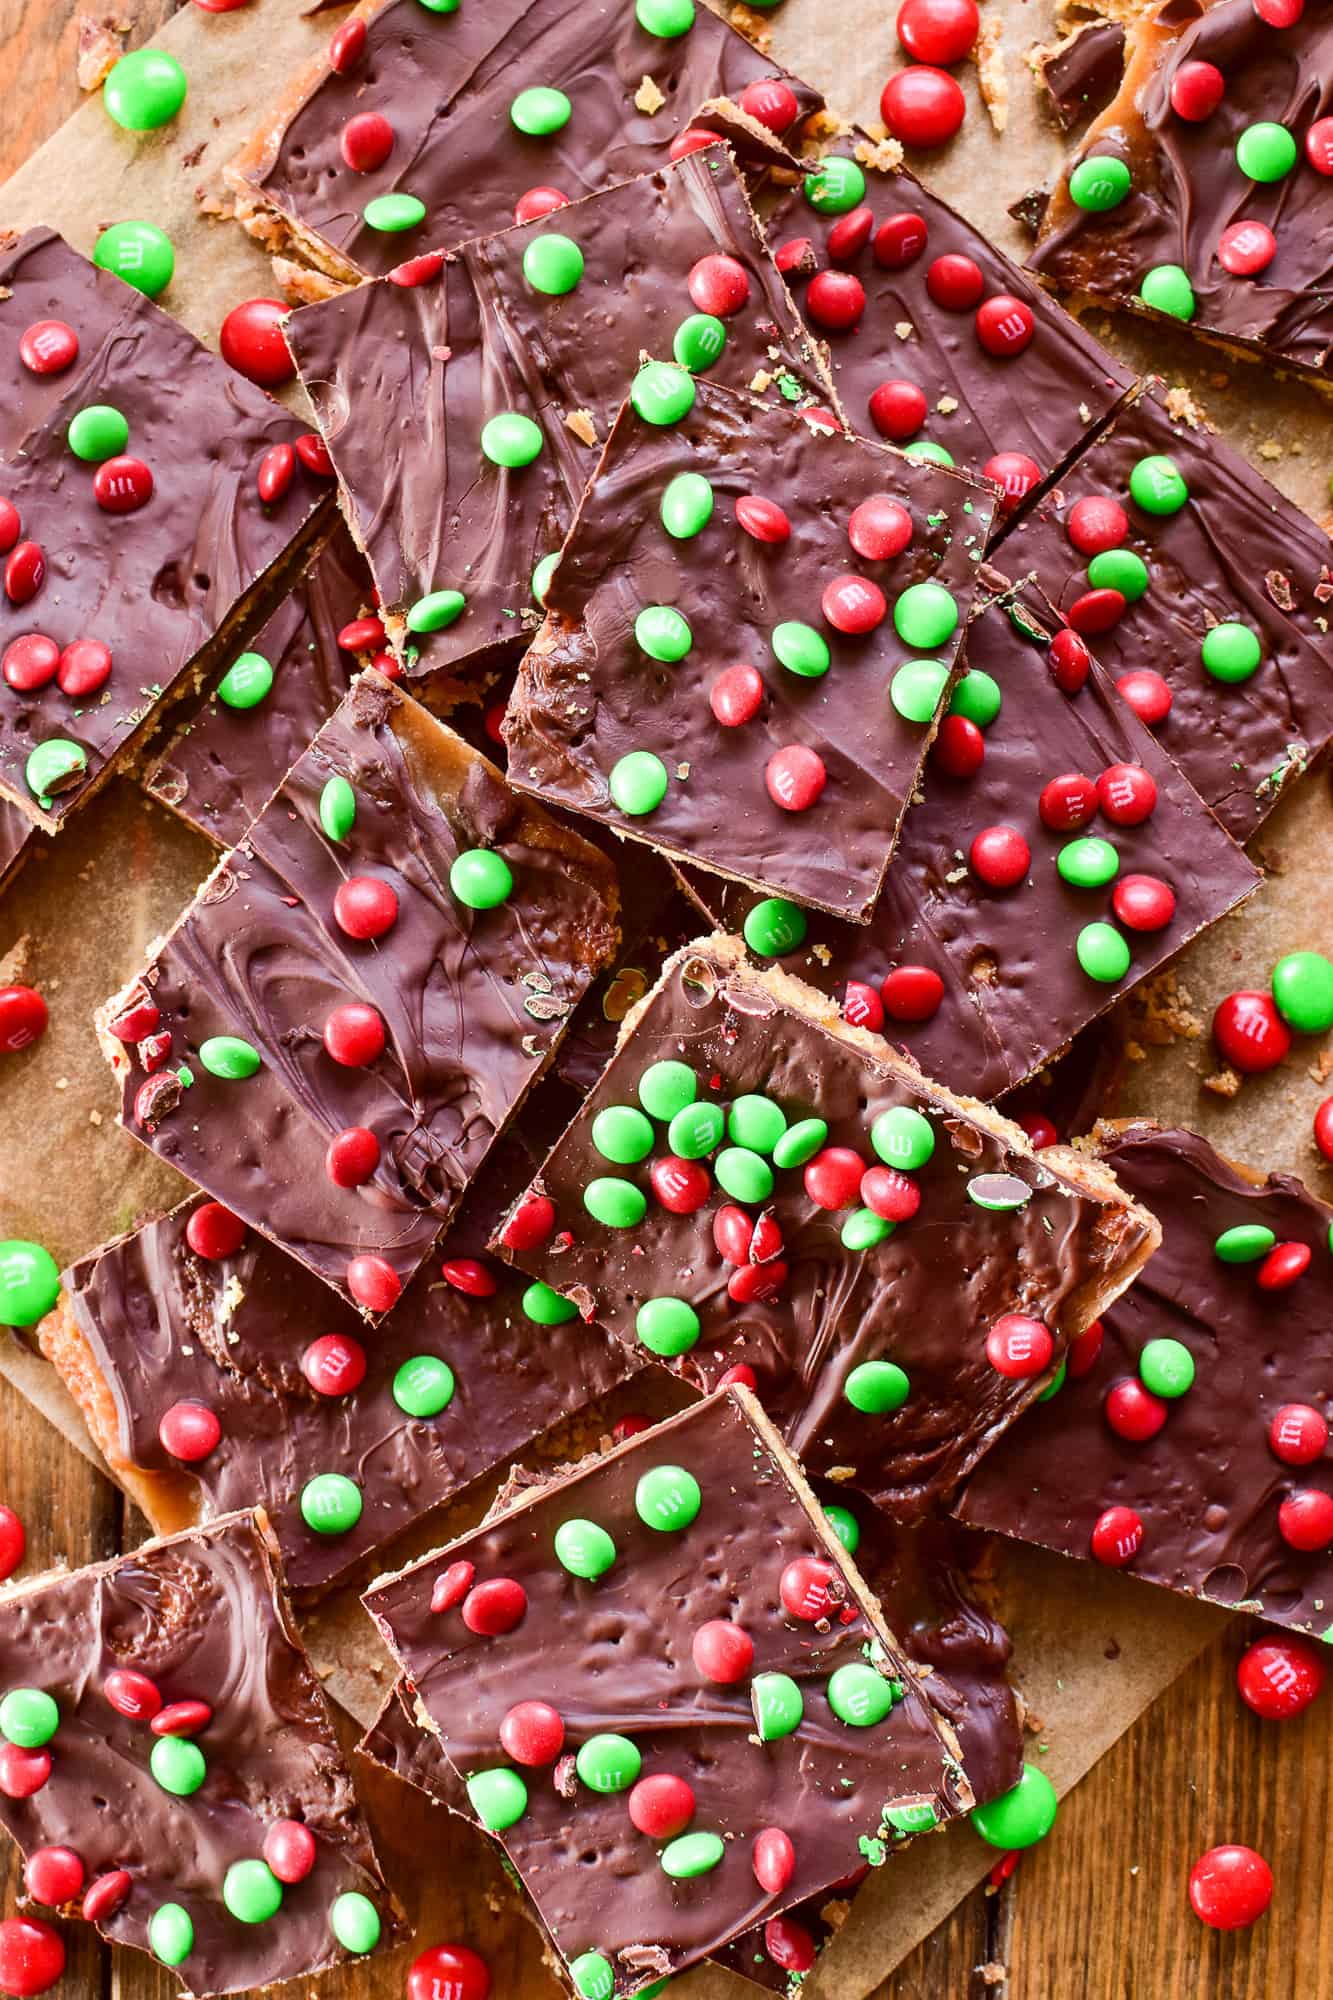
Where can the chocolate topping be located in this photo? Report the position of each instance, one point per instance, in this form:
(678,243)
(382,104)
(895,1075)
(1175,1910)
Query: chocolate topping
(1081,74)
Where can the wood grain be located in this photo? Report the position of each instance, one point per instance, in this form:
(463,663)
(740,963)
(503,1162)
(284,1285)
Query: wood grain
(1098,1913)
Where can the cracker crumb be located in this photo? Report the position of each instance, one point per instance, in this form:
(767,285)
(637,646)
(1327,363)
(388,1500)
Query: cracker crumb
(648,97)
(1182,408)
(882,156)
(992,74)
(1270,449)
(761,379)
(303,285)
(903,329)
(753,26)
(582,424)
(947,405)
(1225,1083)
(100,45)
(94,1117)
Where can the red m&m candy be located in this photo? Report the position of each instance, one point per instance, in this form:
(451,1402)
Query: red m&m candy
(313,453)
(850,234)
(1069,659)
(252,342)
(959,749)
(1143,902)
(1297,1434)
(736,695)
(1005,325)
(539,201)
(1319,145)
(912,993)
(105,1894)
(1067,802)
(1305,1520)
(853,604)
(1096,523)
(48,347)
(1117,1537)
(1132,1411)
(23,1018)
(1097,611)
(1197,88)
(354,1034)
(774,1860)
(469,1276)
(213,1232)
(1279,1677)
(30,662)
(810,1589)
(11,525)
(132,1694)
(189,1431)
(25,570)
(13,1543)
(1230,1887)
(289,1849)
(889,1194)
(1250,1033)
(692,140)
(1147,694)
(1018,1346)
(1085,1352)
(661,1806)
(32,1957)
(366,141)
(835,300)
(682,1186)
(347,46)
(53,1875)
(722,1652)
(531,1732)
(352,1157)
(181,1718)
(718,284)
(879,528)
(448,1972)
(1127,794)
(85,666)
(922,106)
(373,1283)
(1284,1264)
(1041,1134)
(955,282)
(833,1178)
(1246,248)
(899,240)
(494,1607)
(122,485)
(762,518)
(1000,856)
(23,1772)
(277,469)
(452,1586)
(531,1223)
(334,1365)
(365,907)
(862,1006)
(795,777)
(770,100)
(1015,474)
(789,1944)
(938,31)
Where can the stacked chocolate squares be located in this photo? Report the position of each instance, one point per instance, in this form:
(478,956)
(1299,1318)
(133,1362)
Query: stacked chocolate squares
(707,763)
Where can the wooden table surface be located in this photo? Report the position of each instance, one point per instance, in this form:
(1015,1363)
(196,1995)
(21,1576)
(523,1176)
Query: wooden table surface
(1097,1913)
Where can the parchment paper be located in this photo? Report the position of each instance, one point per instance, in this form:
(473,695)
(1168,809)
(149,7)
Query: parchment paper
(1092,1648)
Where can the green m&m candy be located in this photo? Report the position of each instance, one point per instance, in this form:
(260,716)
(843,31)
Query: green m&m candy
(246,682)
(355,1921)
(29,1717)
(662,394)
(698,341)
(424,1385)
(876,1388)
(177,1765)
(1020,1817)
(859,1696)
(29,1282)
(499,1798)
(1099,182)
(844,1525)
(1246,1243)
(622,1134)
(170,1934)
(251,1892)
(1166,1367)
(863,1229)
(801,650)
(777,1704)
(96,432)
(696,1130)
(393,214)
(139,253)
(337,808)
(903,1138)
(1000,1192)
(1119,569)
(662,633)
(1157,484)
(1231,651)
(800,1142)
(692,1854)
(609,1763)
(774,926)
(1088,863)
(836,185)
(144,90)
(925,616)
(584,1549)
(54,766)
(1167,289)
(541,577)
(229,1057)
(977,697)
(1056,1383)
(435,611)
(666,1088)
(540,111)
(553,264)
(593,1976)
(440,6)
(545,1307)
(665,18)
(481,879)
(927,452)
(1303,991)
(638,783)
(614,1202)
(1102,952)
(331,1503)
(687,506)
(744,1175)
(667,1498)
(511,439)
(756,1122)
(1265,152)
(667,1327)
(917,689)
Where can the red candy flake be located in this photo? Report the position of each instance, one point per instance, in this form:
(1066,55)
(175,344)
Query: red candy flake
(470,1277)
(251,341)
(1132,1411)
(1230,1887)
(1250,1033)
(862,1006)
(897,410)
(354,1034)
(348,46)
(797,255)
(1143,902)
(277,469)
(771,101)
(539,201)
(1003,1869)
(1279,13)
(313,453)
(722,1652)
(452,1586)
(13,1543)
(25,572)
(213,1232)
(1246,248)
(879,528)
(912,993)
(32,1957)
(773,1859)
(53,1875)
(1005,326)
(532,1733)
(795,777)
(763,519)
(365,907)
(733,1233)
(1278,1678)
(189,1431)
(494,1607)
(373,1283)
(661,1806)
(766,1242)
(757,1281)
(23,1772)
(122,485)
(1015,474)
(531,1223)
(492,720)
(889,1194)
(1319,145)
(1323,1128)
(833,1178)
(334,1365)
(1297,1434)
(30,662)
(625,1428)
(416,271)
(1070,661)
(736,695)
(789,1945)
(1018,1347)
(681,1186)
(899,240)
(1305,1520)
(352,1157)
(835,300)
(1097,611)
(1284,1264)
(105,1894)
(853,604)
(938,31)
(448,1972)
(289,1849)
(132,1694)
(1067,802)
(810,1589)
(85,666)
(1097,523)
(742,1376)
(181,1718)
(1041,1134)
(719,285)
(849,235)
(1197,88)
(1147,694)
(692,140)
(11,526)
(366,142)
(955,282)
(959,749)
(48,347)
(23,1018)
(1000,856)
(922,106)
(1117,1537)
(1127,794)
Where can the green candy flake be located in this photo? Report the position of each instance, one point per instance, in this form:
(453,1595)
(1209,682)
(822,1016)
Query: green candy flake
(661,393)
(615,1203)
(511,440)
(622,1135)
(481,879)
(584,1549)
(499,1798)
(777,1705)
(859,1695)
(97,432)
(331,1503)
(1157,484)
(1166,1367)
(801,650)
(667,1498)
(593,1976)
(139,253)
(1167,289)
(692,1854)
(912,1819)
(609,1763)
(553,264)
(877,1388)
(687,506)
(337,808)
(392,214)
(1246,1243)
(437,610)
(744,1175)
(836,185)
(667,1327)
(1231,652)
(800,1142)
(251,1892)
(925,616)
(424,1386)
(29,1718)
(666,1088)
(540,111)
(662,633)
(246,682)
(694,1132)
(917,689)
(756,1123)
(1020,1817)
(903,1138)
(1088,863)
(170,1934)
(355,1922)
(698,342)
(1099,183)
(977,697)
(545,1307)
(1103,953)
(177,1765)
(638,783)
(229,1058)
(774,927)
(29,1282)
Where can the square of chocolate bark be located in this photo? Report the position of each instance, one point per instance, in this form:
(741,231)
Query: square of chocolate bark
(1180,565)
(166,1740)
(937,342)
(333,1035)
(215,1372)
(1055,857)
(465,400)
(753,1184)
(749,637)
(1189,1443)
(1202,192)
(670,1695)
(421,127)
(131,527)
